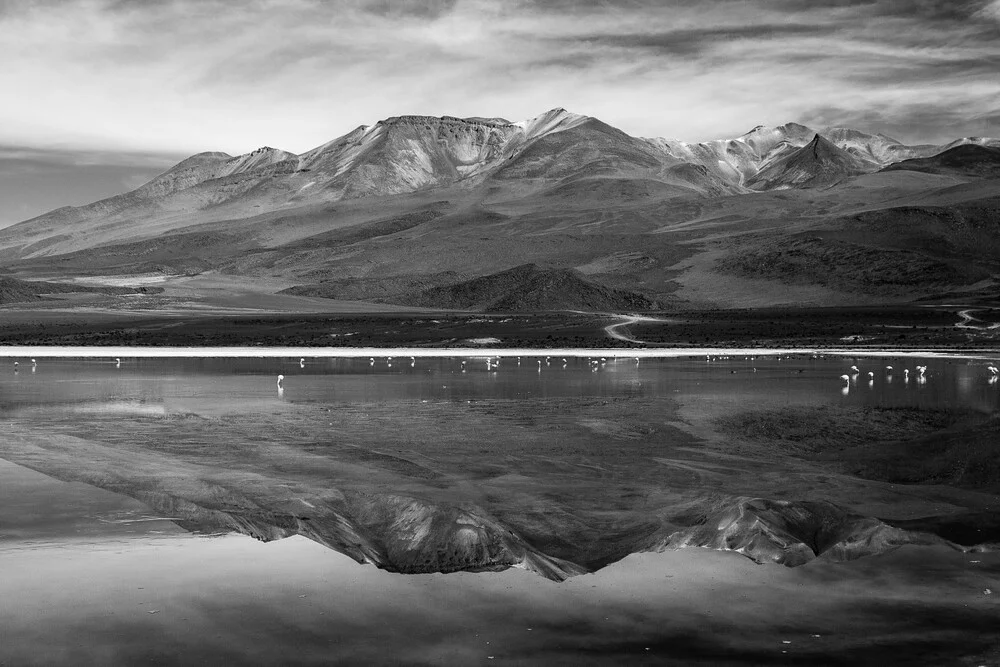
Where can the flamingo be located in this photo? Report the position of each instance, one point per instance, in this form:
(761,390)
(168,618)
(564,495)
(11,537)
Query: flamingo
(280,378)
(302,362)
(846,378)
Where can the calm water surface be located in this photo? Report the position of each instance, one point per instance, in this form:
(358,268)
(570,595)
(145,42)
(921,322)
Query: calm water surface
(177,385)
(89,576)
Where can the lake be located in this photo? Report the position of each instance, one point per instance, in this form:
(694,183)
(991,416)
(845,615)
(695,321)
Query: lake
(701,508)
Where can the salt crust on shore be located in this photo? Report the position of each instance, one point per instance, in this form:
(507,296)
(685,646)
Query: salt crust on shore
(357,352)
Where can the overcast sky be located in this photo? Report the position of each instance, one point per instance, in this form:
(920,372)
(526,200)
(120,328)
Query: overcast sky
(100,95)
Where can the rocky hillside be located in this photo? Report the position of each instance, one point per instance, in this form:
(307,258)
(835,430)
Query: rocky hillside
(965,160)
(436,211)
(531,288)
(820,163)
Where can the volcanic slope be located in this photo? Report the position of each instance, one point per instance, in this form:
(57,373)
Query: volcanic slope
(530,288)
(965,160)
(418,207)
(558,151)
(819,164)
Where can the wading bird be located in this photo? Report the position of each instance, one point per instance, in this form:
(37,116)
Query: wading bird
(280,378)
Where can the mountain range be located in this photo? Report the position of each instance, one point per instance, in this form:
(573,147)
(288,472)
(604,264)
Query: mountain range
(423,210)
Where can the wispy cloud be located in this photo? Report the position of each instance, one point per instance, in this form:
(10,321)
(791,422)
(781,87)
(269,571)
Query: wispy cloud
(191,75)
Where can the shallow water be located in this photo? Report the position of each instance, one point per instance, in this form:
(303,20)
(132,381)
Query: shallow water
(168,385)
(105,572)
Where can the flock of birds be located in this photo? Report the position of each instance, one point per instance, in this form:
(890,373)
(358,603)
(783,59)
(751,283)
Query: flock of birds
(492,364)
(852,378)
(920,372)
(34,365)
(596,363)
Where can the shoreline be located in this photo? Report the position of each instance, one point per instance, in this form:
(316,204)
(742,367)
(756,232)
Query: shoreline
(82,351)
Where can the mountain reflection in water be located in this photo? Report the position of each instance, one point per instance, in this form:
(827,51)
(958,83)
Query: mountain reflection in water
(561,468)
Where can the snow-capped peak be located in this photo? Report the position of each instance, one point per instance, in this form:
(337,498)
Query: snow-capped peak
(555,120)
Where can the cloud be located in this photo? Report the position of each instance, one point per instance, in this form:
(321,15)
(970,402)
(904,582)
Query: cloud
(183,76)
(990,12)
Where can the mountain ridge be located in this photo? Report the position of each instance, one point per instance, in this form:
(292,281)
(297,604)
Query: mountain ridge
(749,152)
(561,190)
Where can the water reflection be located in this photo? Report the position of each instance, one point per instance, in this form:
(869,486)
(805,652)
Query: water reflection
(428,437)
(472,464)
(206,384)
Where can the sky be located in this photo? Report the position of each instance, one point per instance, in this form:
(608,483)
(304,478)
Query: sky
(101,95)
